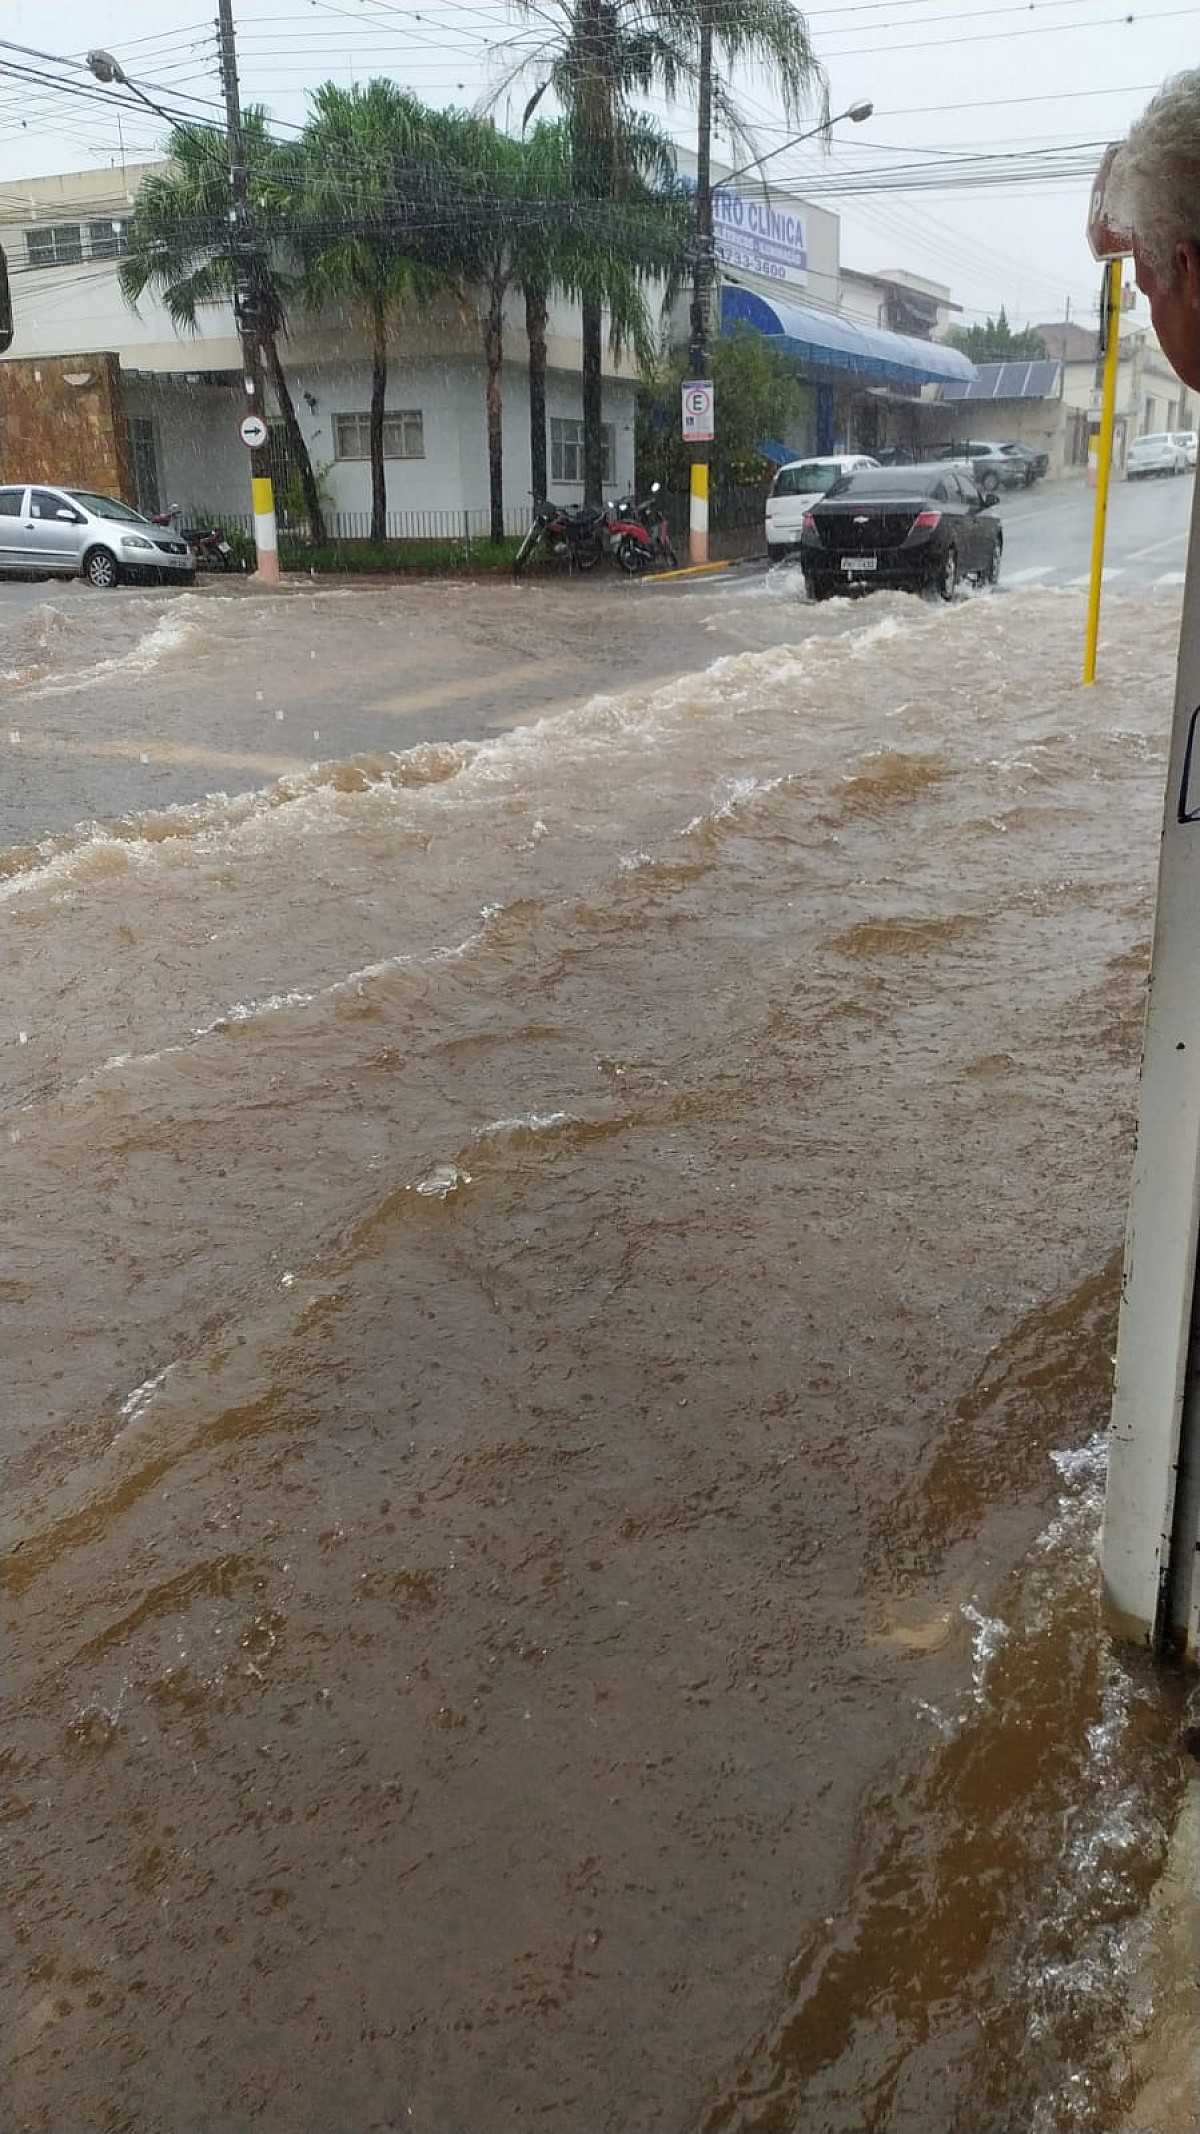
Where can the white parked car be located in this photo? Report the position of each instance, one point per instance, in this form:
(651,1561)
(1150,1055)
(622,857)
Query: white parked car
(794,491)
(1187,438)
(1159,453)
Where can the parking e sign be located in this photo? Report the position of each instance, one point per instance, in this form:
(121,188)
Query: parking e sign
(698,411)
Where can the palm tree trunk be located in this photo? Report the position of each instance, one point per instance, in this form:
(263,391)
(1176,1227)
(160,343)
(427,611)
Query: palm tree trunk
(378,398)
(493,356)
(297,445)
(593,402)
(537,313)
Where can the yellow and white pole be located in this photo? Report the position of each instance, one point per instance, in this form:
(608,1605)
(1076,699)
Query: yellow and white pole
(698,514)
(1108,415)
(266,539)
(248,299)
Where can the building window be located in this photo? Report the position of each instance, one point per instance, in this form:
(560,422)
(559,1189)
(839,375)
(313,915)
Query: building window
(58,245)
(566,450)
(106,240)
(403,435)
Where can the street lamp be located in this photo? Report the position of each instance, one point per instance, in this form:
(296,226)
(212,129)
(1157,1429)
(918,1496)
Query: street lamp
(857,112)
(705,265)
(108,70)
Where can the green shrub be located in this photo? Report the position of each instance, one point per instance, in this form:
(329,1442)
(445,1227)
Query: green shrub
(454,558)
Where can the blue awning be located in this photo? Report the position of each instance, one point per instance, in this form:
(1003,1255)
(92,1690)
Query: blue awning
(775,450)
(827,341)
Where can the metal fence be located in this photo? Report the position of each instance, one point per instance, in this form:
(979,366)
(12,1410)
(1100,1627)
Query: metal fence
(732,510)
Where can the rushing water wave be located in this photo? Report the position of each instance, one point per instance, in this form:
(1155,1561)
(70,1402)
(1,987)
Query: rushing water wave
(559,1304)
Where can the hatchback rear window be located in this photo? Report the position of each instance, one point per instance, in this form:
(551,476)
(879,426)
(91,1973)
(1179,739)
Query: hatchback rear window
(888,481)
(802,480)
(1156,437)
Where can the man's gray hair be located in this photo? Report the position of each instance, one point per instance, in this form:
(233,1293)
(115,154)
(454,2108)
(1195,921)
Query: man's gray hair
(1155,184)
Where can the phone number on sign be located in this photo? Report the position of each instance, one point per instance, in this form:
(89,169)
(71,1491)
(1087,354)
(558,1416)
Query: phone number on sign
(758,261)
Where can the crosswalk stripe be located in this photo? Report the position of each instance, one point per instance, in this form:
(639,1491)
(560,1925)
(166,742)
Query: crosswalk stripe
(1027,577)
(1116,571)
(1172,578)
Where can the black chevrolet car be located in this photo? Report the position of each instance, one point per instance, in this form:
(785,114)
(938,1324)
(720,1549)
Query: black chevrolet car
(916,528)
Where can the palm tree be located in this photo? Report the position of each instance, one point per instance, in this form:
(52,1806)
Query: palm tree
(514,221)
(602,54)
(609,253)
(362,238)
(178,239)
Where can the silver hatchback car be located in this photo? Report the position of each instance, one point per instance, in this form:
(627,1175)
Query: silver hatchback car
(63,533)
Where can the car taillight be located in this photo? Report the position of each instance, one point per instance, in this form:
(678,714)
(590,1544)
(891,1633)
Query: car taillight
(809,524)
(926,519)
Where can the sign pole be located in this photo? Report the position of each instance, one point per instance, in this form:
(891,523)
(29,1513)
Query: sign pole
(248,307)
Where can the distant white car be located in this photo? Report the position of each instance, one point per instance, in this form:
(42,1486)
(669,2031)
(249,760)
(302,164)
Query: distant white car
(1188,439)
(794,491)
(1159,453)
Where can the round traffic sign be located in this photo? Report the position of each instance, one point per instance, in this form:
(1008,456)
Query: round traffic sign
(253,431)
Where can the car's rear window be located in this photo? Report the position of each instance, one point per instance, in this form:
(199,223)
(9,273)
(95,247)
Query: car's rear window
(803,479)
(888,481)
(1156,437)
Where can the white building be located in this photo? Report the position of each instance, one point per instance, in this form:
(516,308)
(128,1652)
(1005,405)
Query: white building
(184,396)
(778,273)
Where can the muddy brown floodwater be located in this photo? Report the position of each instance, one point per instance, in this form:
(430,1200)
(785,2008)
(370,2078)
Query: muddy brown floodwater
(559,1313)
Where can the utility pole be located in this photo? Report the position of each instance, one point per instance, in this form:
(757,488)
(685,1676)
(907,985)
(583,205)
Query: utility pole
(247,304)
(702,284)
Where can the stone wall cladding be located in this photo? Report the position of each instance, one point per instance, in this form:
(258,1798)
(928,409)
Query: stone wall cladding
(73,435)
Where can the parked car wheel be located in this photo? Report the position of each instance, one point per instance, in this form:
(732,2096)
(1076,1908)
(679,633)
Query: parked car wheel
(100,569)
(991,576)
(777,550)
(817,588)
(945,577)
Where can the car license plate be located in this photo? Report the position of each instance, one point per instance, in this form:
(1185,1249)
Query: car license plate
(852,565)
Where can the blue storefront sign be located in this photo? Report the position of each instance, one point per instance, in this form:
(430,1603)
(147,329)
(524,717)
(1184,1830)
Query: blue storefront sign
(760,235)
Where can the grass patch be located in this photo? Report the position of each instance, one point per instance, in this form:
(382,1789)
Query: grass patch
(361,558)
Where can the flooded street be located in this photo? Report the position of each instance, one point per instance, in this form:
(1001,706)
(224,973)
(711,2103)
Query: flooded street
(561,1285)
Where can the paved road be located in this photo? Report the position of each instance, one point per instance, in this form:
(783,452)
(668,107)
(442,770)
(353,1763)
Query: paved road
(1048,534)
(116,703)
(1048,537)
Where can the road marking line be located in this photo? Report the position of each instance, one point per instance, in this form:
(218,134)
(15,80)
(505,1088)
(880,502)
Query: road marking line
(1175,540)
(1027,577)
(1116,570)
(164,752)
(471,685)
(1172,578)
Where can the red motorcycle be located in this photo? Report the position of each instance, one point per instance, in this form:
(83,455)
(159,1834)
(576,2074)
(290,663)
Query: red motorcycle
(212,547)
(638,534)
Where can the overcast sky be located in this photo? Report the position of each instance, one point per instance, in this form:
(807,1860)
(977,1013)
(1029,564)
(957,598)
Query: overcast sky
(996,77)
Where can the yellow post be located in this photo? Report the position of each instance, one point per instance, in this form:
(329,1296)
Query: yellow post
(698,519)
(1108,411)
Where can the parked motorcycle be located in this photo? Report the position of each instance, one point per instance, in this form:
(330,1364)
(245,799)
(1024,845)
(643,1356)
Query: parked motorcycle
(638,534)
(211,546)
(573,533)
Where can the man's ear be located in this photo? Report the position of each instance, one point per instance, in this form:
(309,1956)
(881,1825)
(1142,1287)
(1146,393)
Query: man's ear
(1187,263)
